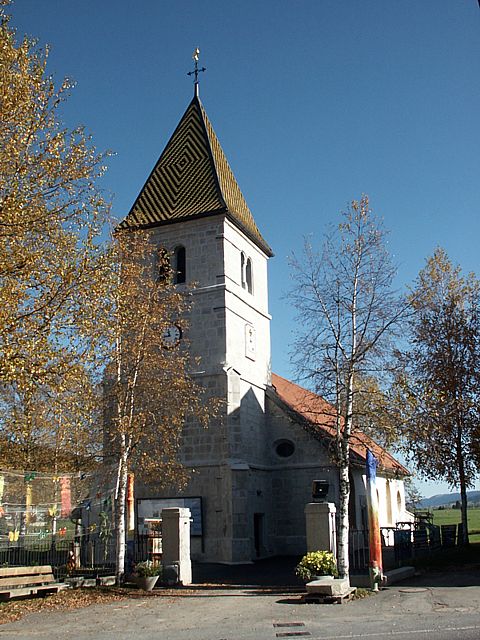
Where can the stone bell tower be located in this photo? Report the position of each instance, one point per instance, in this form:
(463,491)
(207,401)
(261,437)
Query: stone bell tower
(193,206)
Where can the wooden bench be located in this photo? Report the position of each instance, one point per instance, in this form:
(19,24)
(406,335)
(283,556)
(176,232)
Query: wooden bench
(27,581)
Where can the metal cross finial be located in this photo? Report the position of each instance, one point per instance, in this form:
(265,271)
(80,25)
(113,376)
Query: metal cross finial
(196,70)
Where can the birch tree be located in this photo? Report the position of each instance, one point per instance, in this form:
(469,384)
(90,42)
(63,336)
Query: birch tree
(436,394)
(149,389)
(347,311)
(53,264)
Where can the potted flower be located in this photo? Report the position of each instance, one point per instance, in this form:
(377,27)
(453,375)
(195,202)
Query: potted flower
(316,563)
(146,574)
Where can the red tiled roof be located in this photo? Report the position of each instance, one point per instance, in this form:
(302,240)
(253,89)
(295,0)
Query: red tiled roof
(320,415)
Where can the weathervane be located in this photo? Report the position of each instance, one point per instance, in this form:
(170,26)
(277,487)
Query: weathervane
(196,70)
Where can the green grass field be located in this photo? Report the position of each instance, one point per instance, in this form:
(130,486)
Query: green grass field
(453,516)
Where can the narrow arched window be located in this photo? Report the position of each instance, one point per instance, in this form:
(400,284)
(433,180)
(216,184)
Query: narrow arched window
(164,268)
(242,271)
(179,265)
(248,276)
(389,504)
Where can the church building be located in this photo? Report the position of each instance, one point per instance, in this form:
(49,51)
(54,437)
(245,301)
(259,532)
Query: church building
(252,472)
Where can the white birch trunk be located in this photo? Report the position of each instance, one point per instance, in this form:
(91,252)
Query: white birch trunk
(344,484)
(120,510)
(343,525)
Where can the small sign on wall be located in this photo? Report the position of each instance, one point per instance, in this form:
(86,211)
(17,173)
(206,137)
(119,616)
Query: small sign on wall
(250,342)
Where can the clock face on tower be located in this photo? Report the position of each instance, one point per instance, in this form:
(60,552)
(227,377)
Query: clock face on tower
(171,336)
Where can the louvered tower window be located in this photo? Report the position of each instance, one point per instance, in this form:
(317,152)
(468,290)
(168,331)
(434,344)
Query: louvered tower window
(249,276)
(242,270)
(179,265)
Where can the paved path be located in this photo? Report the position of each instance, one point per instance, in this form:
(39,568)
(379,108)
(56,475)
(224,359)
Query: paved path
(425,607)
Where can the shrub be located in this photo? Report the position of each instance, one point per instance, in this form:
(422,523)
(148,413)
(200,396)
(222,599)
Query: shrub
(147,569)
(316,563)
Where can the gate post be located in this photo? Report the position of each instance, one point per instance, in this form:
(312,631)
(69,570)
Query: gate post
(176,541)
(321,527)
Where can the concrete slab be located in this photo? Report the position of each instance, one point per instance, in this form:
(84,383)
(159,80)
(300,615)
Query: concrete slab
(328,586)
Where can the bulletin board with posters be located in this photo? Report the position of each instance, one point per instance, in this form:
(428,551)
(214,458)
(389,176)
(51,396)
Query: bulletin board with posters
(151,508)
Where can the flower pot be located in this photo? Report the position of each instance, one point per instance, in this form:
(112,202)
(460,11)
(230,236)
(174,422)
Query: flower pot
(146,582)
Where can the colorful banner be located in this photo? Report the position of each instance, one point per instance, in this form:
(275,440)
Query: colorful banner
(375,542)
(130,503)
(65,496)
(28,502)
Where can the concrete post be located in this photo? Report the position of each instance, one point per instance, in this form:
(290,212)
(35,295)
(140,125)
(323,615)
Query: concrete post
(176,541)
(321,527)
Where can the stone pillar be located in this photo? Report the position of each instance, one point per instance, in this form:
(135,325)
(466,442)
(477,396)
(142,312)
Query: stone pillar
(176,541)
(321,527)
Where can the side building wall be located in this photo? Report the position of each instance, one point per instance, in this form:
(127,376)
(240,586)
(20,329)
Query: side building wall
(291,479)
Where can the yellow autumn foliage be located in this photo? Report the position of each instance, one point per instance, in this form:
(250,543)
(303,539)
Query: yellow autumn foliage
(51,262)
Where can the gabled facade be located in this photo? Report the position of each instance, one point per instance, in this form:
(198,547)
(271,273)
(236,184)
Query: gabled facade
(252,471)
(310,421)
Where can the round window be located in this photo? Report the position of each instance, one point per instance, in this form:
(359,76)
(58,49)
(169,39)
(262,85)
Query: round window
(284,448)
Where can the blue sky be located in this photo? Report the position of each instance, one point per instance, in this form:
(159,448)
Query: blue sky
(314,102)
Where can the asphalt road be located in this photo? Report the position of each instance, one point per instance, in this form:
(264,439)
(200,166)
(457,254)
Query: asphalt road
(438,606)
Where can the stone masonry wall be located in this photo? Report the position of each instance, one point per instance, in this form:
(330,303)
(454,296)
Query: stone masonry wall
(222,312)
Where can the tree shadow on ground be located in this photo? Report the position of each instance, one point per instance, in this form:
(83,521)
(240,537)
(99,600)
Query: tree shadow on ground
(448,577)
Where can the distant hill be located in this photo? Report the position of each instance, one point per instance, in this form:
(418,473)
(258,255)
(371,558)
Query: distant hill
(446,499)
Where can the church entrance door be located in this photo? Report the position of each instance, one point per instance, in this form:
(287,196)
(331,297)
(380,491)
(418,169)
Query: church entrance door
(258,532)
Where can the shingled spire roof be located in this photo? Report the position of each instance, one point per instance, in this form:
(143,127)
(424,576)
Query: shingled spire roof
(192,179)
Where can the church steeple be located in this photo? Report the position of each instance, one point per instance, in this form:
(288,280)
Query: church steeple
(194,210)
(192,179)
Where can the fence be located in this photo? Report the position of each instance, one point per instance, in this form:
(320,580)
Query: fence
(400,544)
(15,554)
(95,556)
